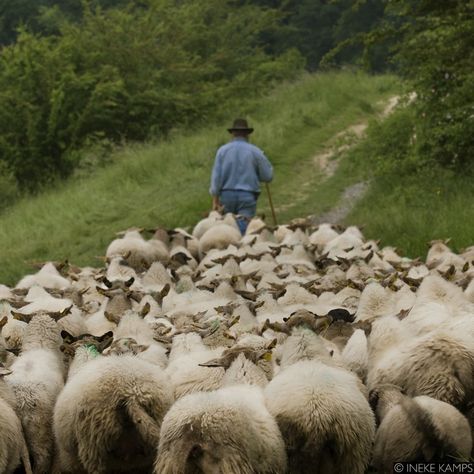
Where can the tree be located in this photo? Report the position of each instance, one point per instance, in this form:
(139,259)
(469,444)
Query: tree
(128,74)
(436,53)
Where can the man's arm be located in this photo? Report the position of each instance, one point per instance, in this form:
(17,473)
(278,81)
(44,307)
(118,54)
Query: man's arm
(264,167)
(216,177)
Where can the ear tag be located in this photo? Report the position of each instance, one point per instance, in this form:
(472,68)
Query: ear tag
(267,356)
(92,350)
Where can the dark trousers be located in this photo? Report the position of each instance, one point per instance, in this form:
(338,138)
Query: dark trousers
(240,203)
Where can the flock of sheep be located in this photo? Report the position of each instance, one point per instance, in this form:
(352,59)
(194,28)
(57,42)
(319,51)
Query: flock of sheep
(292,349)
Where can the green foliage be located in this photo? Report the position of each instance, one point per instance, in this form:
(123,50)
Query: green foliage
(437,55)
(434,45)
(389,146)
(132,74)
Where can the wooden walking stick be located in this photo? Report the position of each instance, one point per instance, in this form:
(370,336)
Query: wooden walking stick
(271,204)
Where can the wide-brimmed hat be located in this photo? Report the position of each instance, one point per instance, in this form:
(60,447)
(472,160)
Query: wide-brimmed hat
(240,125)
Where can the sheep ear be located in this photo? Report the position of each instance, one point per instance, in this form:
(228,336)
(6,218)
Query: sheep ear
(129,282)
(134,295)
(164,292)
(112,318)
(140,348)
(213,363)
(272,344)
(107,282)
(60,314)
(101,291)
(105,341)
(4,371)
(374,399)
(67,337)
(3,321)
(105,336)
(21,317)
(145,310)
(229,335)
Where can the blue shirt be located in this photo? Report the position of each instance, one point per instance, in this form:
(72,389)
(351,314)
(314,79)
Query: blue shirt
(239,165)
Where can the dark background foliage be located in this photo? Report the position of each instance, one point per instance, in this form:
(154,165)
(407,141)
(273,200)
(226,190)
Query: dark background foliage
(74,73)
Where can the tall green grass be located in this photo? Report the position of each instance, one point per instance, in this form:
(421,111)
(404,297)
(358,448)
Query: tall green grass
(410,211)
(166,184)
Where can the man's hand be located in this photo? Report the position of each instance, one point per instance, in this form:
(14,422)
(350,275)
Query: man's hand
(216,204)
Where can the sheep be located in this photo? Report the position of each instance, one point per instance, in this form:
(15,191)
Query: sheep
(187,352)
(246,362)
(13,332)
(324,234)
(325,420)
(13,448)
(375,301)
(205,224)
(229,431)
(219,236)
(118,269)
(132,326)
(108,416)
(355,354)
(417,429)
(439,365)
(136,251)
(47,277)
(41,300)
(441,257)
(36,380)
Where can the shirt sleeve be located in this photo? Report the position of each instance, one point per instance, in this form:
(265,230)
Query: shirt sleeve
(216,176)
(264,167)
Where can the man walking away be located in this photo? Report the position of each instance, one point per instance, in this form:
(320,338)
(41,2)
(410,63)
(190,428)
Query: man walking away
(238,169)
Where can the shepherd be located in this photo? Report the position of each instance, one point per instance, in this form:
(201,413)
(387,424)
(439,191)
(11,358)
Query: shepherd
(239,167)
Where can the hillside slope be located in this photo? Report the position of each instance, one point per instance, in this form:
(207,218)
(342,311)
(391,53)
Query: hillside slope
(166,184)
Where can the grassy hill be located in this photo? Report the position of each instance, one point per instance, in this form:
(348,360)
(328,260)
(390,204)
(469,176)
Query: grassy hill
(166,184)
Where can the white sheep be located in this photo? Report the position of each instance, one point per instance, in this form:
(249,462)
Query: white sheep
(228,431)
(109,414)
(186,375)
(355,354)
(219,236)
(417,429)
(325,420)
(47,277)
(37,379)
(13,448)
(138,252)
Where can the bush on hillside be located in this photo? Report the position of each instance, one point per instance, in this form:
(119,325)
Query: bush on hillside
(437,53)
(128,75)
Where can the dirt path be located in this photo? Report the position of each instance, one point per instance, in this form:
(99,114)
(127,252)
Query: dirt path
(327,163)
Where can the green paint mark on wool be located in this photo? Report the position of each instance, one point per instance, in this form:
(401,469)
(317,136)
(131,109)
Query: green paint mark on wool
(92,350)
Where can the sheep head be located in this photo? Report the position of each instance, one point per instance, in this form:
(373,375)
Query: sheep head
(71,343)
(341,314)
(56,315)
(251,353)
(125,345)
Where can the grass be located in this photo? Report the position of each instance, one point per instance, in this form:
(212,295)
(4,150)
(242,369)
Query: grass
(166,184)
(409,211)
